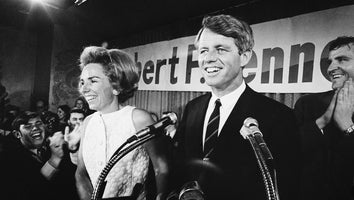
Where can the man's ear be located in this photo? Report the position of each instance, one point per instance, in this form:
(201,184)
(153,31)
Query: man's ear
(17,134)
(245,57)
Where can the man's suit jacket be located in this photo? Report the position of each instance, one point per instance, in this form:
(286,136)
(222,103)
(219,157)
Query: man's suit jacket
(21,178)
(328,170)
(232,171)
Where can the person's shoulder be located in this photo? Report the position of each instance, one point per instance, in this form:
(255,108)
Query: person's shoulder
(276,105)
(88,118)
(90,114)
(202,98)
(267,102)
(314,97)
(140,113)
(317,95)
(9,143)
(141,118)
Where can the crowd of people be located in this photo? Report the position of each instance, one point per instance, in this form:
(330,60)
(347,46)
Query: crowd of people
(35,155)
(47,155)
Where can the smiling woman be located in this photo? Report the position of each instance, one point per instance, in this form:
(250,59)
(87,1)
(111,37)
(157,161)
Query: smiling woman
(108,79)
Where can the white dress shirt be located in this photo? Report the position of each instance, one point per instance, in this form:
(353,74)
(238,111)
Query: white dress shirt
(228,102)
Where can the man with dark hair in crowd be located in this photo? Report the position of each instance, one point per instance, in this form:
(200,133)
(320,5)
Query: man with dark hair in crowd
(72,138)
(31,169)
(327,129)
(51,121)
(76,117)
(221,160)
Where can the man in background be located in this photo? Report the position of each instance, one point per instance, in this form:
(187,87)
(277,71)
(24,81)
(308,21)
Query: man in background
(33,166)
(77,116)
(72,138)
(327,129)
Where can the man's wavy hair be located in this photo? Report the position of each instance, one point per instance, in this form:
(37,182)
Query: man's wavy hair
(229,26)
(340,42)
(118,66)
(23,118)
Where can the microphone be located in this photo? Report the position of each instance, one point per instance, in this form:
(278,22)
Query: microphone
(170,118)
(254,132)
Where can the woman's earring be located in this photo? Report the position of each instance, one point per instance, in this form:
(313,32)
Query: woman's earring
(115,92)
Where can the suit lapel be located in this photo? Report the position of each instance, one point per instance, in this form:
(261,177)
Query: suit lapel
(231,128)
(198,120)
(239,113)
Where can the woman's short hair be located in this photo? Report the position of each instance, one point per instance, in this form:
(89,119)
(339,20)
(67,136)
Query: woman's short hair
(229,26)
(117,65)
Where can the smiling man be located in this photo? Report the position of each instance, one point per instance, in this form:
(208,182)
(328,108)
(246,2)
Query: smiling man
(327,129)
(30,130)
(29,168)
(212,152)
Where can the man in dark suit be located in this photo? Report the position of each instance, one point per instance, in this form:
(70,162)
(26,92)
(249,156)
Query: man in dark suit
(326,127)
(30,167)
(228,169)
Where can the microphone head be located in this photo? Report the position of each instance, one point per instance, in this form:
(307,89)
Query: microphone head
(172,116)
(249,121)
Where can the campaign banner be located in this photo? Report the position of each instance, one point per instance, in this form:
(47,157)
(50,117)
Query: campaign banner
(290,56)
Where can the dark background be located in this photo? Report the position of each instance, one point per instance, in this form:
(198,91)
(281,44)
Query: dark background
(41,43)
(113,19)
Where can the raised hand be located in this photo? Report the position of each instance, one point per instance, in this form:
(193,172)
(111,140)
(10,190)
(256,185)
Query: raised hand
(73,138)
(56,143)
(327,116)
(344,108)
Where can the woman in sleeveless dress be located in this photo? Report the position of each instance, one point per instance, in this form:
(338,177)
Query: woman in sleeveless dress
(108,79)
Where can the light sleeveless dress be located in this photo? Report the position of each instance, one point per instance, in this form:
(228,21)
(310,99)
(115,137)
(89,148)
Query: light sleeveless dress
(104,134)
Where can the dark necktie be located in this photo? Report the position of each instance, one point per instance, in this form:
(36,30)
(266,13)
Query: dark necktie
(39,155)
(212,130)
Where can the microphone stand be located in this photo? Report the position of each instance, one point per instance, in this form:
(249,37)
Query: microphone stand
(269,182)
(133,143)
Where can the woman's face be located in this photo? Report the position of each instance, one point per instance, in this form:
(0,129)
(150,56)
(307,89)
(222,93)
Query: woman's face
(60,113)
(97,89)
(79,104)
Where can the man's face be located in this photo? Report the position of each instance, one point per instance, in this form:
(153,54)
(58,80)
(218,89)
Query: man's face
(75,118)
(32,134)
(220,62)
(40,106)
(341,65)
(52,124)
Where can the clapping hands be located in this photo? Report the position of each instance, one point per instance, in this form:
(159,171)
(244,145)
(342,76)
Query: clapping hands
(73,138)
(344,108)
(341,108)
(56,143)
